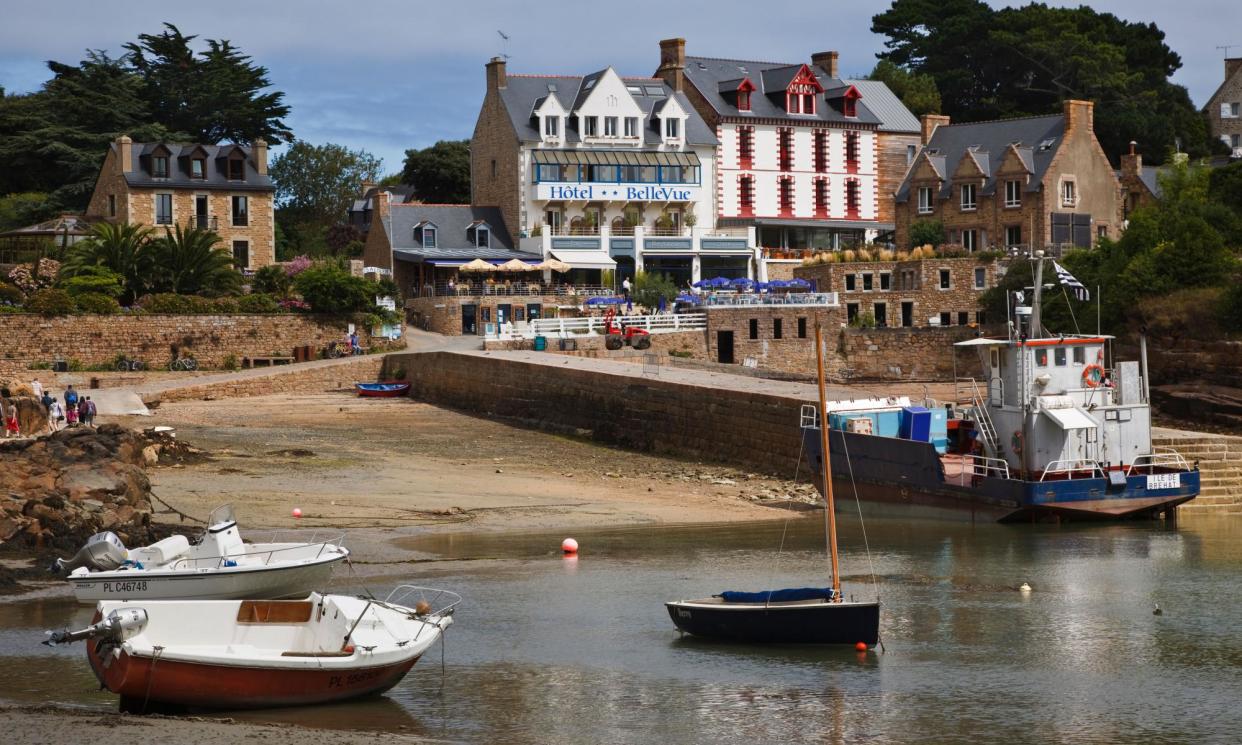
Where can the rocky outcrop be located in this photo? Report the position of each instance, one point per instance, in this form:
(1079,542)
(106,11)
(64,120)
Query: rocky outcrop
(59,489)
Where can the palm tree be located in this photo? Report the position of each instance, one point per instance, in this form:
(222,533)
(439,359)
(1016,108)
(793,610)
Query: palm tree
(189,262)
(121,248)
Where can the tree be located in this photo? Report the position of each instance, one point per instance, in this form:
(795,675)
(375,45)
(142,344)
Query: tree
(649,288)
(317,183)
(926,233)
(991,64)
(123,249)
(440,174)
(916,90)
(190,262)
(272,280)
(329,288)
(22,209)
(93,280)
(213,96)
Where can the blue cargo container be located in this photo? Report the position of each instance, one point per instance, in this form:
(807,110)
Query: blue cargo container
(915,424)
(940,429)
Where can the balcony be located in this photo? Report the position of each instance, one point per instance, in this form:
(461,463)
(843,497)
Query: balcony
(205,222)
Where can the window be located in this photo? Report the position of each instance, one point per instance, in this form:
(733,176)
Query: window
(679,174)
(867,279)
(1235,141)
(850,107)
(493,169)
(198,168)
(163,209)
(946,279)
(241,211)
(801,328)
(111,205)
(1058,356)
(979,316)
(241,254)
(852,200)
(821,151)
(610,126)
(1101,231)
(946,318)
(590,126)
(1013,193)
(639,175)
(1041,357)
(555,172)
(1013,235)
(1069,196)
(1080,355)
(970,240)
(202,208)
(552,218)
(631,126)
(911,152)
(159,166)
(551,126)
(850,282)
(821,197)
(968,197)
(602,173)
(672,128)
(1229,110)
(237,169)
(851,312)
(745,146)
(851,152)
(754,328)
(786,196)
(925,200)
(482,237)
(776,328)
(784,144)
(886,281)
(981,277)
(746,195)
(429,237)
(743,100)
(963,317)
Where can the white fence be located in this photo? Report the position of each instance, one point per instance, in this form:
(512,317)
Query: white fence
(717,299)
(663,323)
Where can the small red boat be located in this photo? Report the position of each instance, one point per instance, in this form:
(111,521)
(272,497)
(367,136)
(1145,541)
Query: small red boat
(388,389)
(251,654)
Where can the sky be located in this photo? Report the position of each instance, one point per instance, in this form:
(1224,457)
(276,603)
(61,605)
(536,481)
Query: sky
(388,75)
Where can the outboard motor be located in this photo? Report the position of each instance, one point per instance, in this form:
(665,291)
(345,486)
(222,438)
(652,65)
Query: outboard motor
(103,552)
(121,624)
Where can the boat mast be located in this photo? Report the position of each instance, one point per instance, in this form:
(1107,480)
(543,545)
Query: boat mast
(1037,326)
(831,518)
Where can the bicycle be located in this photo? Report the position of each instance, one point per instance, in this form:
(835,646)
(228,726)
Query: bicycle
(185,364)
(127,364)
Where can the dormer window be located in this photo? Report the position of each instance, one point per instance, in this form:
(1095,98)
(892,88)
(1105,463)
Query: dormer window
(429,237)
(237,167)
(743,100)
(552,126)
(159,166)
(198,168)
(482,237)
(672,128)
(851,107)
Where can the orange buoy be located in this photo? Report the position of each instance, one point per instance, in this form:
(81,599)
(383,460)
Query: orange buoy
(861,646)
(297,511)
(569,546)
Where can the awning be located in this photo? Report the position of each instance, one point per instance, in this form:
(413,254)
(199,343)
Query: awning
(1070,418)
(585,259)
(614,157)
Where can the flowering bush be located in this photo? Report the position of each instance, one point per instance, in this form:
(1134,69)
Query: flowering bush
(295,305)
(297,265)
(31,278)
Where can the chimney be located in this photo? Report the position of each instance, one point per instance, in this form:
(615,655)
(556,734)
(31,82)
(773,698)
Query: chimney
(930,122)
(125,148)
(379,206)
(1232,66)
(673,63)
(1132,162)
(1079,115)
(258,150)
(497,78)
(826,61)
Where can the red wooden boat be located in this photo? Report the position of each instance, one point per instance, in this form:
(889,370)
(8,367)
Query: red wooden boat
(385,389)
(248,654)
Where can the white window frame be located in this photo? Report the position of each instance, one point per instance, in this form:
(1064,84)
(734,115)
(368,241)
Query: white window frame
(981,278)
(925,206)
(435,236)
(610,126)
(672,128)
(970,239)
(973,203)
(631,126)
(552,127)
(590,126)
(1228,110)
(1013,193)
(486,233)
(1069,192)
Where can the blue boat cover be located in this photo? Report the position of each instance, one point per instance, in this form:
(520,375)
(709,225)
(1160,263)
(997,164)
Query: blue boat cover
(778,596)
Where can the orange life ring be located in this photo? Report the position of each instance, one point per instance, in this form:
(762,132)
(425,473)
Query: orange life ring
(1093,375)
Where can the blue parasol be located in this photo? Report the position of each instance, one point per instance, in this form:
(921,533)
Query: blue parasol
(798,282)
(777,284)
(687,299)
(742,282)
(605,301)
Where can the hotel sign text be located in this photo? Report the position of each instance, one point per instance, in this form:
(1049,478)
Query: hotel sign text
(617,192)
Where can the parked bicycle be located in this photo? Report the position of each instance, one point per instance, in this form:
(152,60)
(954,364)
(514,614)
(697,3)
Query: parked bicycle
(128,364)
(336,349)
(185,364)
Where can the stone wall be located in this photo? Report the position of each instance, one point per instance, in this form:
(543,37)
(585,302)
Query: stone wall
(1230,91)
(790,350)
(94,340)
(909,354)
(300,379)
(443,315)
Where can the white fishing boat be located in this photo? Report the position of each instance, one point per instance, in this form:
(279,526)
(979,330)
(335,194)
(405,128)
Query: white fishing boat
(249,654)
(219,565)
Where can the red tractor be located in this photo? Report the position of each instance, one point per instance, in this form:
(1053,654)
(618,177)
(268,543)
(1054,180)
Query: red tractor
(617,335)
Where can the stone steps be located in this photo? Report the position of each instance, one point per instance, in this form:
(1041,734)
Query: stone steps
(1220,470)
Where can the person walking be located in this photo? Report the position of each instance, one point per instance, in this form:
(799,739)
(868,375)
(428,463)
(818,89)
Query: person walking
(625,288)
(71,398)
(11,426)
(91,411)
(83,411)
(55,414)
(37,388)
(71,414)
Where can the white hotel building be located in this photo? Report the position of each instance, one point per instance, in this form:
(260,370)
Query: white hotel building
(604,172)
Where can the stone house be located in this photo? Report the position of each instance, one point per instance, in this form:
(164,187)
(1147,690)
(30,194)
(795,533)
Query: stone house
(1224,108)
(1039,182)
(224,188)
(914,293)
(1140,184)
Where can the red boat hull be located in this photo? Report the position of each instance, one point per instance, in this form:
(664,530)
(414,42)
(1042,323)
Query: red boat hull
(374,393)
(141,681)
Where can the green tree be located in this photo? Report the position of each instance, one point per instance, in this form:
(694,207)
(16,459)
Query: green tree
(190,262)
(649,288)
(22,209)
(926,232)
(93,280)
(216,95)
(916,90)
(317,183)
(440,174)
(272,280)
(124,250)
(329,288)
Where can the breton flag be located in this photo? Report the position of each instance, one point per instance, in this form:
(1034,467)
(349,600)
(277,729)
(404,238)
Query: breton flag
(1064,277)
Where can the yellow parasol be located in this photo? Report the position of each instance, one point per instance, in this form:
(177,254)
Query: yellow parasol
(555,265)
(478,265)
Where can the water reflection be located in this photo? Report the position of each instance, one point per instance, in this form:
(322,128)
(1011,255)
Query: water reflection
(548,649)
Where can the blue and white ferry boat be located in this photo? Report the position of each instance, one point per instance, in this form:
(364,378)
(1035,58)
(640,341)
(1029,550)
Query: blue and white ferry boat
(1052,430)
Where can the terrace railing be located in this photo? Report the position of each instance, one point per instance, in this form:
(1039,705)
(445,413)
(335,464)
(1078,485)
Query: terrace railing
(661,323)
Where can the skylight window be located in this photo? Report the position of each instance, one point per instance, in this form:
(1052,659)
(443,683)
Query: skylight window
(634,90)
(654,91)
(590,84)
(1046,144)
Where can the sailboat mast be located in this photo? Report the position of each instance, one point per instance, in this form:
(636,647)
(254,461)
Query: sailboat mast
(831,517)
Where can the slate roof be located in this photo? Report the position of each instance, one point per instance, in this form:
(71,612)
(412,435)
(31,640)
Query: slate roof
(893,114)
(451,221)
(707,74)
(179,168)
(1038,138)
(522,91)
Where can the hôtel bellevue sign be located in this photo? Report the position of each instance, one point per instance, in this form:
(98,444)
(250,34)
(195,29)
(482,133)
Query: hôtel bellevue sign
(617,193)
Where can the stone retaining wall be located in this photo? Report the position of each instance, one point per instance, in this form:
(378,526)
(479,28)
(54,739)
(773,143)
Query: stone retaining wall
(921,354)
(285,379)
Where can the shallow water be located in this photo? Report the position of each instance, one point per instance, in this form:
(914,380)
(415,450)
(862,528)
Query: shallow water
(551,650)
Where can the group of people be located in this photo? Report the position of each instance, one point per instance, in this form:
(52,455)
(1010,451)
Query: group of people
(76,409)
